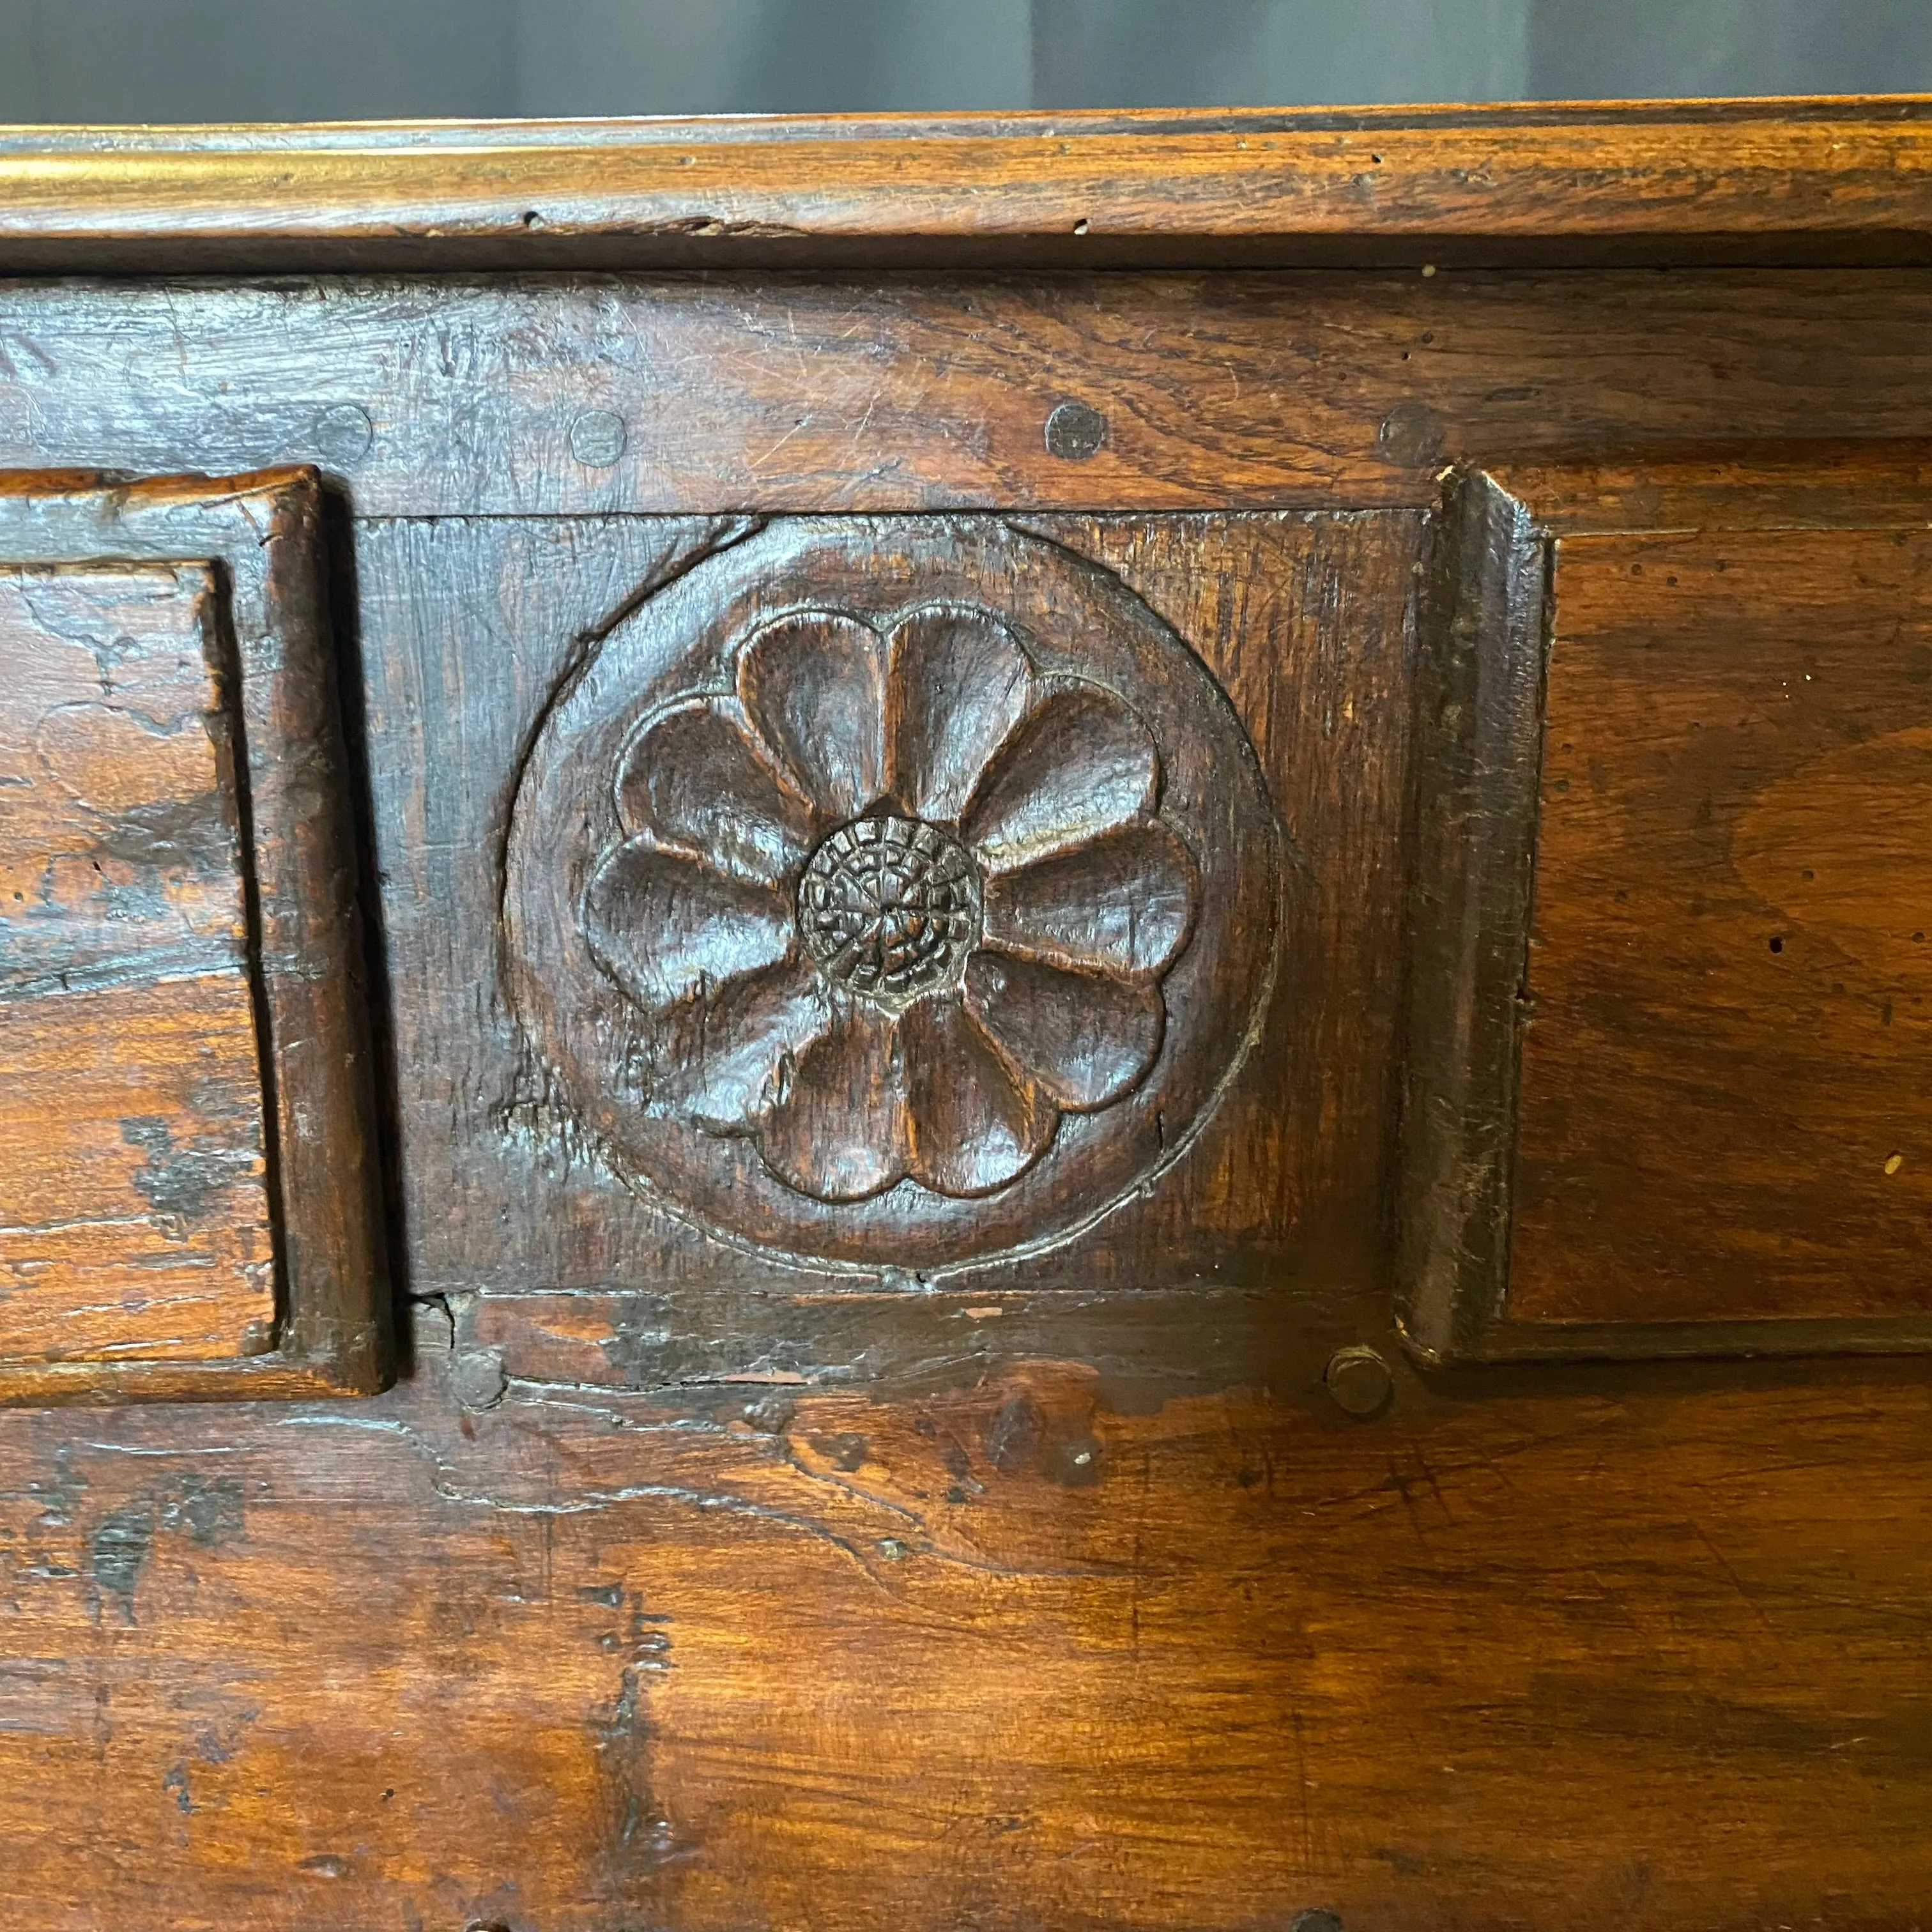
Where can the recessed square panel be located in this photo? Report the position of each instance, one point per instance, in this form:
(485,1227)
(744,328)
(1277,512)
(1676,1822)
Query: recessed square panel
(1722,1114)
(848,908)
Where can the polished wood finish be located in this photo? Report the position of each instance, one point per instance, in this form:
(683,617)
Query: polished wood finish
(591,394)
(189,1091)
(1727,983)
(1673,707)
(133,1154)
(1786,181)
(800,1655)
(1175,1569)
(896,892)
(499,1121)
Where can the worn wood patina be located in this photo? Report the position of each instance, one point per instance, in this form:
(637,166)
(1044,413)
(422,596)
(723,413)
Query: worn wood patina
(1107,928)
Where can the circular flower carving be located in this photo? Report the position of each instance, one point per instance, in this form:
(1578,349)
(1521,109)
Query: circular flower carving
(891,891)
(920,891)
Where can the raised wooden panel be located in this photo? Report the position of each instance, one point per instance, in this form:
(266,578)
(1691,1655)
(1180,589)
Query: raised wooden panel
(1692,959)
(1722,1113)
(553,1136)
(184,1095)
(133,1154)
(703,1574)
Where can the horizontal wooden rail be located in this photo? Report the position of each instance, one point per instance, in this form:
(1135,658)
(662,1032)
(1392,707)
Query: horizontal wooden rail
(1803,182)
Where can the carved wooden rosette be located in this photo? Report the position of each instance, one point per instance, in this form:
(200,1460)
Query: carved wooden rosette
(894,892)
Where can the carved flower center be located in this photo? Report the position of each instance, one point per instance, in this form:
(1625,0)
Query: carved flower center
(890,907)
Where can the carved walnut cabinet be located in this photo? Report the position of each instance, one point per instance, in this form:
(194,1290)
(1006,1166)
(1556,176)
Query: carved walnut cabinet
(1020,1024)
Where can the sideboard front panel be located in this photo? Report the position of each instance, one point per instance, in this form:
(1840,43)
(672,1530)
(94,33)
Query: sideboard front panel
(906,906)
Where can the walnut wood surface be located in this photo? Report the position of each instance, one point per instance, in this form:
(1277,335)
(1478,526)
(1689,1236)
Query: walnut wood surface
(132,1155)
(261,1066)
(673,1587)
(791,393)
(1526,1657)
(891,892)
(497,1180)
(1729,981)
(1820,181)
(1623,1134)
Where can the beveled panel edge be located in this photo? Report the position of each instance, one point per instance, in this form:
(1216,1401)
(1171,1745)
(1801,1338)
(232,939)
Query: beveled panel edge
(1770,182)
(1479,711)
(1484,633)
(264,531)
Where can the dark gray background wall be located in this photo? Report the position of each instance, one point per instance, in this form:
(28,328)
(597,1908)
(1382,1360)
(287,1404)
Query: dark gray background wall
(212,60)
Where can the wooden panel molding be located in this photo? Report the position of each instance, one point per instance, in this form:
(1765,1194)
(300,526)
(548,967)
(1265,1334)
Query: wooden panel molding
(565,1128)
(1672,983)
(1786,181)
(186,1141)
(715,1561)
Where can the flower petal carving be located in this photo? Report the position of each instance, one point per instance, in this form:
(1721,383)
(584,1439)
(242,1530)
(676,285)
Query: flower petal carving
(959,684)
(814,685)
(724,1060)
(1081,764)
(886,884)
(840,1131)
(975,1125)
(1122,904)
(1085,1038)
(667,927)
(696,779)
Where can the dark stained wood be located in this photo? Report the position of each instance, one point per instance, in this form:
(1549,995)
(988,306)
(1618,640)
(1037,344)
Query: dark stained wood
(133,1155)
(1791,181)
(892,394)
(1304,619)
(1478,696)
(890,892)
(184,1002)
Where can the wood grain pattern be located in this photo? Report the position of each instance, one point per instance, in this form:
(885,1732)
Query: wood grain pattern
(133,1155)
(1729,980)
(238,1085)
(671,1587)
(1626,1133)
(894,393)
(1788,181)
(1478,700)
(1539,1661)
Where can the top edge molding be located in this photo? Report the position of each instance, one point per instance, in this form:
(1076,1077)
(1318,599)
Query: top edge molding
(1792,181)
